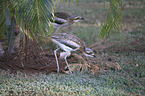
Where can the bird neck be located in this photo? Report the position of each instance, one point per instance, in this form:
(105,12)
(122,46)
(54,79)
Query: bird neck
(71,21)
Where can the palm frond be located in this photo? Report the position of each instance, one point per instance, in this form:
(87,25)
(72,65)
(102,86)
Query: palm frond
(114,19)
(32,16)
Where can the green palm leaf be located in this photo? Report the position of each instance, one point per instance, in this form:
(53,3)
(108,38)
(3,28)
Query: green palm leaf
(114,19)
(32,16)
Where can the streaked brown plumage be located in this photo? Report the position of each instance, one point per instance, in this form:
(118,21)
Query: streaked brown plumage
(70,42)
(63,19)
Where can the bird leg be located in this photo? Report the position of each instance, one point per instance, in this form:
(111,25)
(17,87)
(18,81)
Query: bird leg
(56,59)
(68,53)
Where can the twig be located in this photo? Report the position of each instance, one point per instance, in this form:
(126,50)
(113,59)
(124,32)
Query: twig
(96,43)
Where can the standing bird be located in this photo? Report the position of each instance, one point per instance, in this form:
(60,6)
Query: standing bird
(69,42)
(62,19)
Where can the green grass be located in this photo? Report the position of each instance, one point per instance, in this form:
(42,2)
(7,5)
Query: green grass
(129,81)
(110,83)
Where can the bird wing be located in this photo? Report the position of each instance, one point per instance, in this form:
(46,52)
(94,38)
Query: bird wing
(62,15)
(69,40)
(60,21)
(61,18)
(66,42)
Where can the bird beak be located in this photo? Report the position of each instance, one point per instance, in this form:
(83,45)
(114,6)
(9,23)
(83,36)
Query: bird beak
(94,56)
(82,19)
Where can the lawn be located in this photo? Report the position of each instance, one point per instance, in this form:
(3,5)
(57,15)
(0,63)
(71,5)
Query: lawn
(126,48)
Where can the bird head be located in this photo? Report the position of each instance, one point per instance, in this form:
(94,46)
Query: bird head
(88,52)
(76,18)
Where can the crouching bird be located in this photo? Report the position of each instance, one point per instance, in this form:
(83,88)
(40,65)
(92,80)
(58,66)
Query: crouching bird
(69,42)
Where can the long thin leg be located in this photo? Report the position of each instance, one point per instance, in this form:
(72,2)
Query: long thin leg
(56,59)
(67,62)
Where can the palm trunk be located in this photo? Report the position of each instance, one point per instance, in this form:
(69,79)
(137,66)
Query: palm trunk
(11,28)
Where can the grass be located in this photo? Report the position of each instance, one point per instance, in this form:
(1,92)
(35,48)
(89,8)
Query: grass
(110,83)
(129,81)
